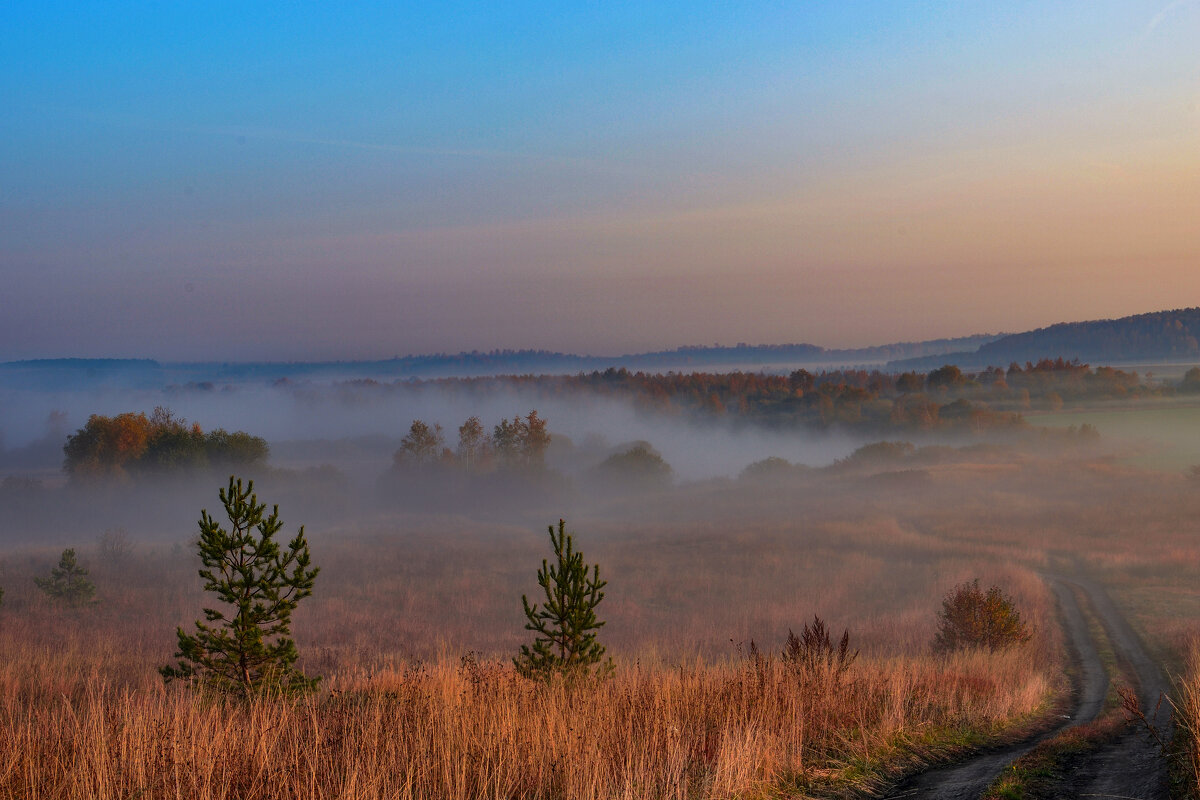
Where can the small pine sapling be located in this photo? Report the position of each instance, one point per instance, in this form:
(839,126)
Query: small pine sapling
(565,625)
(249,649)
(68,582)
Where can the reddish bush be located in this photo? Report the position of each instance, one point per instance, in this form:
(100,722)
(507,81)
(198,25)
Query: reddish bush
(972,618)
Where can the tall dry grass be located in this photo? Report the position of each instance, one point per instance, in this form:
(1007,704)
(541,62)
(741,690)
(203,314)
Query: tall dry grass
(83,714)
(468,731)
(1186,704)
(688,713)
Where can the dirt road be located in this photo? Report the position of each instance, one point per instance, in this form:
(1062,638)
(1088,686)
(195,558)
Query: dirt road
(1130,766)
(1127,768)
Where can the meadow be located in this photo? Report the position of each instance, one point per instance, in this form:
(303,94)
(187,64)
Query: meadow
(416,617)
(1163,436)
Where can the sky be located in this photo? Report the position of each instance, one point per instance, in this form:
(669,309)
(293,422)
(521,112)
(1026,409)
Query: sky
(298,181)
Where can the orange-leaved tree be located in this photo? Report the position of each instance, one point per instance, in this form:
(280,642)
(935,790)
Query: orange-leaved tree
(972,618)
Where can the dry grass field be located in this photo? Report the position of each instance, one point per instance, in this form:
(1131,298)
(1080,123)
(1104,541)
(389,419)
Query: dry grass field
(1187,720)
(453,731)
(415,618)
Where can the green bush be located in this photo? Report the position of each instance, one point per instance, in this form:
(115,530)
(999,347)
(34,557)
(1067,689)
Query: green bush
(641,466)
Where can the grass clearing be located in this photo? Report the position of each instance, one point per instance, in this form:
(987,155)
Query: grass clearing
(1162,436)
(693,574)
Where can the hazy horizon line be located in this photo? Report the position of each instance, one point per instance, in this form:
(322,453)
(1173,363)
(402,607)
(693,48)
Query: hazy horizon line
(516,351)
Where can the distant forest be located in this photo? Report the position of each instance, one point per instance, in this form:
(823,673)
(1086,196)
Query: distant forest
(75,373)
(1172,336)
(871,400)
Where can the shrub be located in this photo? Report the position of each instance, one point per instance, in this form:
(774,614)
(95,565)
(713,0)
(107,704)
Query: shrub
(768,469)
(641,466)
(1191,380)
(114,547)
(880,453)
(813,650)
(972,618)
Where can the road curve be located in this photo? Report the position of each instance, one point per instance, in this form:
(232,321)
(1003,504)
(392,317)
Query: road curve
(967,780)
(1130,766)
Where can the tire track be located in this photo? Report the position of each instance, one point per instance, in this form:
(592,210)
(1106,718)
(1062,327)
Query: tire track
(1109,771)
(1130,766)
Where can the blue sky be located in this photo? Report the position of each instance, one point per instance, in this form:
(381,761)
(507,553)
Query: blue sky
(242,180)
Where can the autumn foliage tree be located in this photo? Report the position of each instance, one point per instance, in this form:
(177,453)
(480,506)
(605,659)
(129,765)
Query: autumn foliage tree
(134,443)
(107,445)
(421,446)
(518,444)
(521,443)
(474,445)
(972,618)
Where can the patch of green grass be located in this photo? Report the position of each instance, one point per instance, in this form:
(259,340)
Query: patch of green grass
(1038,773)
(907,753)
(1164,437)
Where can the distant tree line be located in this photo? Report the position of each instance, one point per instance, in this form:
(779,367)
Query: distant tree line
(133,443)
(942,398)
(871,400)
(516,444)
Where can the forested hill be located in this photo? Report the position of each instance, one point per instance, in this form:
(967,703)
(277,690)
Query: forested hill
(1170,335)
(695,357)
(81,373)
(65,373)
(1158,336)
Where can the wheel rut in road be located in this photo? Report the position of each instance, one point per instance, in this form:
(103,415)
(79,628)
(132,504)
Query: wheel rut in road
(1127,767)
(1131,765)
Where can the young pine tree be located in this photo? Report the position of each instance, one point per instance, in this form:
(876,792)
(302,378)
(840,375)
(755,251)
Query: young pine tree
(246,648)
(566,624)
(68,582)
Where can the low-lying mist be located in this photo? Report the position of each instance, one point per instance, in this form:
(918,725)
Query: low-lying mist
(36,423)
